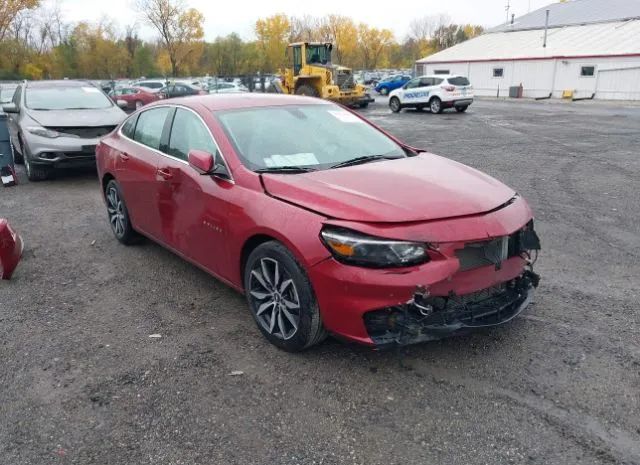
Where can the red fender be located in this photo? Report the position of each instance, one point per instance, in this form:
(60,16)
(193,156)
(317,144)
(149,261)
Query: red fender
(10,249)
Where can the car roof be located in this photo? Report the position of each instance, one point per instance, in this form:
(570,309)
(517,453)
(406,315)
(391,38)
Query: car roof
(442,76)
(58,83)
(220,102)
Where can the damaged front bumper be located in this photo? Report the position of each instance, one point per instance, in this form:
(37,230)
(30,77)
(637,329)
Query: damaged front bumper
(427,318)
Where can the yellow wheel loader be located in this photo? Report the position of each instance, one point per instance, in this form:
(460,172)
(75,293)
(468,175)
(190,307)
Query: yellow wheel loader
(312,73)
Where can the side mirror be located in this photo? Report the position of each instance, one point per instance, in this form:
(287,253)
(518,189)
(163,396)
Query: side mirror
(10,108)
(201,161)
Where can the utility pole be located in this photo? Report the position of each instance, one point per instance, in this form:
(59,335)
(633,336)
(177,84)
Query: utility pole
(507,8)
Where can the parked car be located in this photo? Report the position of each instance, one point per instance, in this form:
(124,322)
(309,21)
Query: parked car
(385,86)
(154,85)
(134,97)
(6,92)
(226,88)
(433,92)
(57,124)
(358,235)
(180,89)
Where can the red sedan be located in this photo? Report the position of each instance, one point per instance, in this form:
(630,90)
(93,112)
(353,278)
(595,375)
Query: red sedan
(136,97)
(326,223)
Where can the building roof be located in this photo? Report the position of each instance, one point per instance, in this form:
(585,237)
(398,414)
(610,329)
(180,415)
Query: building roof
(574,13)
(591,40)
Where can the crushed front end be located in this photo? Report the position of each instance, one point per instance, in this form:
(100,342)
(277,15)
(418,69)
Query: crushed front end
(479,274)
(427,318)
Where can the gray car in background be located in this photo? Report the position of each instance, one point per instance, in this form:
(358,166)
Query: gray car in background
(57,124)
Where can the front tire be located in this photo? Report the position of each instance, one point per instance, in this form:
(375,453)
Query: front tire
(306,89)
(18,158)
(395,105)
(119,215)
(35,173)
(281,298)
(435,105)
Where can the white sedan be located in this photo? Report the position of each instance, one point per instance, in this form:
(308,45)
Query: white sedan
(435,92)
(226,88)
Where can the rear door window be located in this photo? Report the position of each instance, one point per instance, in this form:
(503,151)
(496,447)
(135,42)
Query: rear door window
(459,81)
(150,125)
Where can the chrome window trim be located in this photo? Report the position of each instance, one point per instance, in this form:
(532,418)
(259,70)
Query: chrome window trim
(174,105)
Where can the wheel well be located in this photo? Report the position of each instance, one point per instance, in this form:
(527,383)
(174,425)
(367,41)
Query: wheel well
(105,180)
(248,247)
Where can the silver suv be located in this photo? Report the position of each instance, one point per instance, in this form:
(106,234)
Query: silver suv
(57,124)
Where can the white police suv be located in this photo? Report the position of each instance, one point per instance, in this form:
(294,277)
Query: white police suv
(435,92)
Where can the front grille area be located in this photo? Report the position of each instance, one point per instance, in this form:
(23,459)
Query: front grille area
(494,252)
(344,80)
(84,132)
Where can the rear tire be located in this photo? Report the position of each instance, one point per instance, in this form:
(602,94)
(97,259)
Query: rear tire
(306,89)
(462,109)
(281,298)
(119,215)
(395,104)
(364,105)
(435,105)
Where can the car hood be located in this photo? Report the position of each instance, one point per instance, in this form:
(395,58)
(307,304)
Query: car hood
(78,118)
(421,188)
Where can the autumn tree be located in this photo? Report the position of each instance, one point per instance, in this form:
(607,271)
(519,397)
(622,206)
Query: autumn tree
(342,32)
(180,30)
(372,42)
(272,34)
(10,9)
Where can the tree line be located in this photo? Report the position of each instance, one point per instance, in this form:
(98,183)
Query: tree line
(37,43)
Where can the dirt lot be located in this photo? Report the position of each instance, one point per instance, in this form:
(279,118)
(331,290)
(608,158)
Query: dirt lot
(81,382)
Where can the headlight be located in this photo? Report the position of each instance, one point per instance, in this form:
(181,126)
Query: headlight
(43,132)
(359,249)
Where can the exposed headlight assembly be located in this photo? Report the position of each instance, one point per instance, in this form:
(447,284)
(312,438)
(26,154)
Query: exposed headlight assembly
(43,132)
(355,248)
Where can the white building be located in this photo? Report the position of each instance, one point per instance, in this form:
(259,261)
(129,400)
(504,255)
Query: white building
(592,48)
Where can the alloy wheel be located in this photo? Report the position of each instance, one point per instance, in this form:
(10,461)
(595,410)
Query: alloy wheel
(435,106)
(275,298)
(395,104)
(115,207)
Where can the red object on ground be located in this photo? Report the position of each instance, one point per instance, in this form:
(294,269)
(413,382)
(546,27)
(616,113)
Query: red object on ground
(10,249)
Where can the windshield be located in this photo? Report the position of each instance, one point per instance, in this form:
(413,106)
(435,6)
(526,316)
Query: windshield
(318,54)
(66,98)
(310,136)
(6,93)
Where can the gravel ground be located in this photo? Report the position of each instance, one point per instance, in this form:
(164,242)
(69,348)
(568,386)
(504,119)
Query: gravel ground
(81,381)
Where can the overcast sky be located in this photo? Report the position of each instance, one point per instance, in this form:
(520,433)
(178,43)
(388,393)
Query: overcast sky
(226,16)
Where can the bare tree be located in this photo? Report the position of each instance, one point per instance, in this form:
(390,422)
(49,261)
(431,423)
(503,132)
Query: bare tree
(424,28)
(178,26)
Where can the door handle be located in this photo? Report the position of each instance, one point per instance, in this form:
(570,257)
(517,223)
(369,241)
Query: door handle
(165,173)
(124,156)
